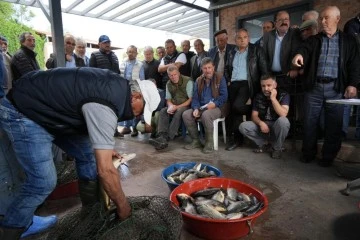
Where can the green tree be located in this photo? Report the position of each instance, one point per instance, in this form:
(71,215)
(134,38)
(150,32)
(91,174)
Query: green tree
(11,29)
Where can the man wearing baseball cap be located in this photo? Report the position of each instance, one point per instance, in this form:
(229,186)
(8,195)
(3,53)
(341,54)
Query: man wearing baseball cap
(78,110)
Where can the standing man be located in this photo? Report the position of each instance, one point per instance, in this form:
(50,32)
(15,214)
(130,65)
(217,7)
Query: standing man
(24,60)
(246,64)
(331,67)
(185,46)
(80,50)
(84,129)
(7,63)
(105,58)
(195,61)
(219,54)
(160,52)
(151,65)
(71,59)
(267,26)
(179,91)
(132,69)
(208,103)
(172,57)
(269,122)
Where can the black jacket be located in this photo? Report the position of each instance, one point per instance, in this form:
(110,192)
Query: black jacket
(349,71)
(103,60)
(214,55)
(51,62)
(23,61)
(257,67)
(54,98)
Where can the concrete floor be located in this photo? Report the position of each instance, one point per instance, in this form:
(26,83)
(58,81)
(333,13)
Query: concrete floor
(304,199)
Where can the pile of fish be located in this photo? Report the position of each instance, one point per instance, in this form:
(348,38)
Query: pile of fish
(219,203)
(183,175)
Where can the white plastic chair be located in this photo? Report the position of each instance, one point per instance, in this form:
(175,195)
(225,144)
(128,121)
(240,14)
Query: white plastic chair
(216,132)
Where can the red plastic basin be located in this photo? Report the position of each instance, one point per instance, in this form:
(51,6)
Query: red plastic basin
(215,229)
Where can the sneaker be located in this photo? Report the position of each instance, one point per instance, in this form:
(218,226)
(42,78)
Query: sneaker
(276,154)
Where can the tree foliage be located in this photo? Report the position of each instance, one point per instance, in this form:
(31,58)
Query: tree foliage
(11,28)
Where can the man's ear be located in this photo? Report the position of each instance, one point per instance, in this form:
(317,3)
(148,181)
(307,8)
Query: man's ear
(275,84)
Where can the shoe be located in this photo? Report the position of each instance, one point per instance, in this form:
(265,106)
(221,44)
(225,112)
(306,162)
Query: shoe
(40,224)
(232,146)
(135,133)
(264,148)
(126,130)
(276,154)
(118,135)
(160,142)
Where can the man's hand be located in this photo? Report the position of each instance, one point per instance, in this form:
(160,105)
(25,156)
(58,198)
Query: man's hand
(273,94)
(148,128)
(196,113)
(172,109)
(293,73)
(116,154)
(264,127)
(298,60)
(350,92)
(211,105)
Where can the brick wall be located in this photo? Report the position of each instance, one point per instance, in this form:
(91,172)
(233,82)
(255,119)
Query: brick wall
(228,16)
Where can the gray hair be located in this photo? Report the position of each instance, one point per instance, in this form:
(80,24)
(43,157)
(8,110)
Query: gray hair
(68,35)
(313,13)
(81,42)
(134,86)
(22,36)
(206,60)
(148,48)
(172,68)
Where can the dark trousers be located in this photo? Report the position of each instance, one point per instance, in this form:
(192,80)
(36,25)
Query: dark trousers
(315,102)
(238,96)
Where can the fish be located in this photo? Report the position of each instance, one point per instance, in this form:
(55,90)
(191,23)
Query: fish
(238,206)
(209,211)
(190,177)
(232,193)
(243,197)
(198,171)
(254,209)
(219,196)
(232,216)
(205,192)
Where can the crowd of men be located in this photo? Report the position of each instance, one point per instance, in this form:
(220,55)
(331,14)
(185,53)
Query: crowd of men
(182,90)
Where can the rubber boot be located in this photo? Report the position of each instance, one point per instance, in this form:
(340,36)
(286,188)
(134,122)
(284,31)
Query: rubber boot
(209,142)
(39,224)
(160,142)
(10,233)
(89,192)
(194,134)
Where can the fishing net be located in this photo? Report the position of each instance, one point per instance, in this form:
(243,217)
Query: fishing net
(66,172)
(153,217)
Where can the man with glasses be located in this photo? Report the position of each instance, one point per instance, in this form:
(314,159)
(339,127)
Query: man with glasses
(24,60)
(71,59)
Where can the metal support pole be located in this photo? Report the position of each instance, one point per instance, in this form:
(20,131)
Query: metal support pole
(57,32)
(212,28)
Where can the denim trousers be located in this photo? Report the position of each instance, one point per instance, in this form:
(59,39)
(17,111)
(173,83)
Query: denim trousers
(315,103)
(32,145)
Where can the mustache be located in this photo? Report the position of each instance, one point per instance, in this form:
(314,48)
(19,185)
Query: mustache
(284,24)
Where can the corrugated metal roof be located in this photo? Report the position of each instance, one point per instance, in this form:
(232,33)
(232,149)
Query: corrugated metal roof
(188,17)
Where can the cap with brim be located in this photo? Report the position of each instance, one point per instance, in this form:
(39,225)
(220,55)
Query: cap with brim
(2,38)
(220,32)
(103,39)
(306,24)
(151,97)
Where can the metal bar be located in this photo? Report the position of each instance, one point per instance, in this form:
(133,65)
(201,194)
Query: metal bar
(139,13)
(57,32)
(94,5)
(175,19)
(128,9)
(112,7)
(72,6)
(183,23)
(184,27)
(44,10)
(212,15)
(190,5)
(226,5)
(195,29)
(164,16)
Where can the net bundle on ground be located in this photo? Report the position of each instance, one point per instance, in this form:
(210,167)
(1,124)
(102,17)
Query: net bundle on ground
(66,172)
(153,217)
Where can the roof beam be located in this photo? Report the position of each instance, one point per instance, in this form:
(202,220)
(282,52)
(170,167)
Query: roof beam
(72,6)
(139,13)
(190,5)
(165,16)
(175,19)
(45,10)
(91,7)
(128,9)
(193,29)
(112,7)
(187,22)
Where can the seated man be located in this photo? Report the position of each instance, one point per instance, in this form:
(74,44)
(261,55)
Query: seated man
(269,122)
(178,97)
(208,103)
(84,129)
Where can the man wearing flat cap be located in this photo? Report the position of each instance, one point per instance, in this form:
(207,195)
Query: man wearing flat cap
(308,28)
(219,54)
(78,110)
(105,58)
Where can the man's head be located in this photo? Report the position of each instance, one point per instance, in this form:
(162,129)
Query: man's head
(69,43)
(3,44)
(208,67)
(329,19)
(27,40)
(104,43)
(185,46)
(131,52)
(308,28)
(170,47)
(148,53)
(268,26)
(268,83)
(310,15)
(145,98)
(242,38)
(173,73)
(282,22)
(80,47)
(160,52)
(199,46)
(221,38)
